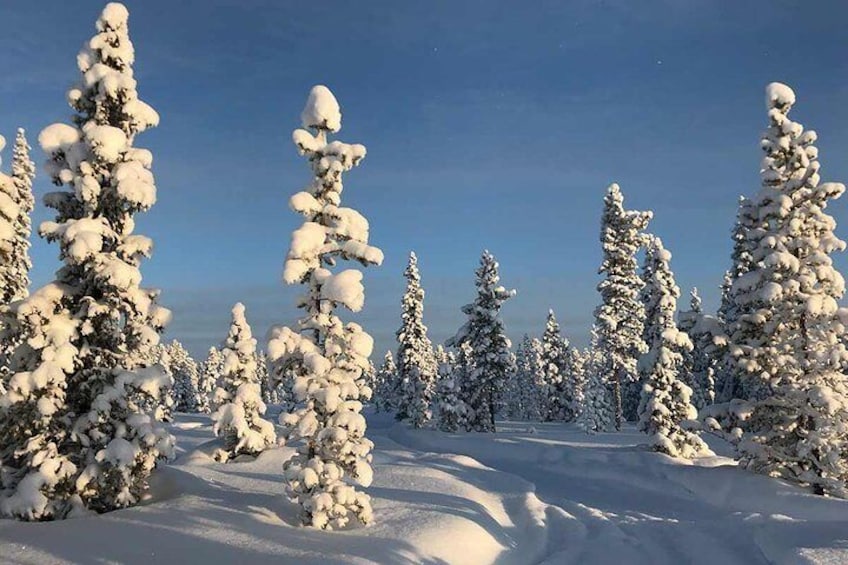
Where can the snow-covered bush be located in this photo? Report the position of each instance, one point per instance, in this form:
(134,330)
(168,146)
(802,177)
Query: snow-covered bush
(619,318)
(238,398)
(666,400)
(326,357)
(484,332)
(81,419)
(416,365)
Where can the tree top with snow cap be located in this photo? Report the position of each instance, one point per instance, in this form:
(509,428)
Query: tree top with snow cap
(780,96)
(322,110)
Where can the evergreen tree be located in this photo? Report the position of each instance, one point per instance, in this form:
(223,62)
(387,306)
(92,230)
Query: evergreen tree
(210,374)
(558,391)
(384,384)
(581,363)
(596,412)
(328,359)
(619,318)
(484,331)
(80,425)
(269,388)
(530,385)
(728,385)
(238,398)
(186,375)
(698,368)
(16,203)
(417,368)
(451,411)
(788,344)
(666,399)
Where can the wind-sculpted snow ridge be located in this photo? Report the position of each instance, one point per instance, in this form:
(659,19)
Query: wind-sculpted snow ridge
(540,493)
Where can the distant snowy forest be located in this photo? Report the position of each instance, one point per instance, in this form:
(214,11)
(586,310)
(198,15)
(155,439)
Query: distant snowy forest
(89,396)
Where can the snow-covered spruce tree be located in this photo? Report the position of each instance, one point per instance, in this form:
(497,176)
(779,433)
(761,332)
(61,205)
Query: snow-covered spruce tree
(484,332)
(238,398)
(666,399)
(728,377)
(580,363)
(526,394)
(269,388)
(557,392)
(16,203)
(81,419)
(788,342)
(512,404)
(451,411)
(384,384)
(596,412)
(186,375)
(416,363)
(698,367)
(619,318)
(327,356)
(207,382)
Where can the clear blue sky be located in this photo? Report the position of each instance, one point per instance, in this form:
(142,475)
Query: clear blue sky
(489,124)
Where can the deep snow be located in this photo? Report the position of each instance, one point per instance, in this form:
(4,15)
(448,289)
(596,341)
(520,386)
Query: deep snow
(532,493)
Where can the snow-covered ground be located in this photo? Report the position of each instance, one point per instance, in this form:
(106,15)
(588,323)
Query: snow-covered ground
(541,493)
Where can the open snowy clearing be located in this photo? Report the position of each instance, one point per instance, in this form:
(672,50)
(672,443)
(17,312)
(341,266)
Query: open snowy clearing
(543,493)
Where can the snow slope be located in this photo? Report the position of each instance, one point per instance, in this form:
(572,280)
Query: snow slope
(546,494)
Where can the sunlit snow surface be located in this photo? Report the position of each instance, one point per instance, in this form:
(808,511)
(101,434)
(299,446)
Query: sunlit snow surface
(540,493)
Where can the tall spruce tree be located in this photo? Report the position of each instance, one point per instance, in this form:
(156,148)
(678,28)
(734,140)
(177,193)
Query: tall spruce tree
(788,344)
(666,399)
(417,369)
(620,317)
(16,204)
(239,412)
(327,356)
(80,423)
(484,332)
